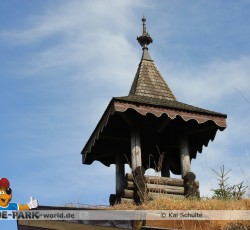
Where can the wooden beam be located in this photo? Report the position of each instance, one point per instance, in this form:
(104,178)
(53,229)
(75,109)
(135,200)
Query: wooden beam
(127,201)
(202,130)
(129,185)
(109,138)
(163,125)
(135,148)
(99,156)
(184,156)
(158,180)
(127,194)
(153,195)
(165,189)
(127,119)
(158,188)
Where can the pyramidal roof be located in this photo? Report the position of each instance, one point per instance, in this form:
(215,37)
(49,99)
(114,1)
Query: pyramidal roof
(148,81)
(149,86)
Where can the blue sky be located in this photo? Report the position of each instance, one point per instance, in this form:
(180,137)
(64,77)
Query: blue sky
(61,62)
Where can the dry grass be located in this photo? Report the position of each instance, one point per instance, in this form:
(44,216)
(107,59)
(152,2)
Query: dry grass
(163,203)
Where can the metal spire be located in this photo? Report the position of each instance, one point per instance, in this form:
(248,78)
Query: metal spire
(145,40)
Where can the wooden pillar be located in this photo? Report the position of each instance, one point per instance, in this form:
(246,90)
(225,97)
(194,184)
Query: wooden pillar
(120,174)
(165,172)
(184,156)
(135,148)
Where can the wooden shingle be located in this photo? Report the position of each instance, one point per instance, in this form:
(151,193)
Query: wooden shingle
(149,82)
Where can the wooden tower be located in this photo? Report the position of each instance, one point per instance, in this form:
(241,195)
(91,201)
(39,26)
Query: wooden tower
(150,128)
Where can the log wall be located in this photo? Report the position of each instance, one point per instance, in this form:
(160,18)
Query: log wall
(138,187)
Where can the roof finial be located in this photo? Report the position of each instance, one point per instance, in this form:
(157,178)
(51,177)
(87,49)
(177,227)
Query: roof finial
(145,38)
(144,31)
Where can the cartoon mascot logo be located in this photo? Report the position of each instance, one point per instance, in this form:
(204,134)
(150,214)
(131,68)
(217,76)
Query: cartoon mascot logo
(6,196)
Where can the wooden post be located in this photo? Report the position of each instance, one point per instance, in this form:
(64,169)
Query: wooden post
(184,156)
(165,172)
(135,148)
(120,174)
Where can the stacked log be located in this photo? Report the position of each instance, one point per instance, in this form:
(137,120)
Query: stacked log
(156,186)
(165,186)
(191,186)
(117,199)
(128,191)
(129,194)
(165,181)
(134,188)
(139,187)
(126,195)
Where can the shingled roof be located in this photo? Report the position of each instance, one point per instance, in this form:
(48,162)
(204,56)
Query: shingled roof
(149,82)
(149,86)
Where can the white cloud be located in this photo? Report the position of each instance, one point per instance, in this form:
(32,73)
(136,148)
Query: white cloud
(211,82)
(76,17)
(82,40)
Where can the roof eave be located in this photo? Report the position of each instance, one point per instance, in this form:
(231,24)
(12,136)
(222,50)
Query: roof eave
(204,112)
(102,122)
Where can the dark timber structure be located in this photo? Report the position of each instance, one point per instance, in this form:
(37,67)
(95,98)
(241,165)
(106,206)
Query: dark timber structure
(150,128)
